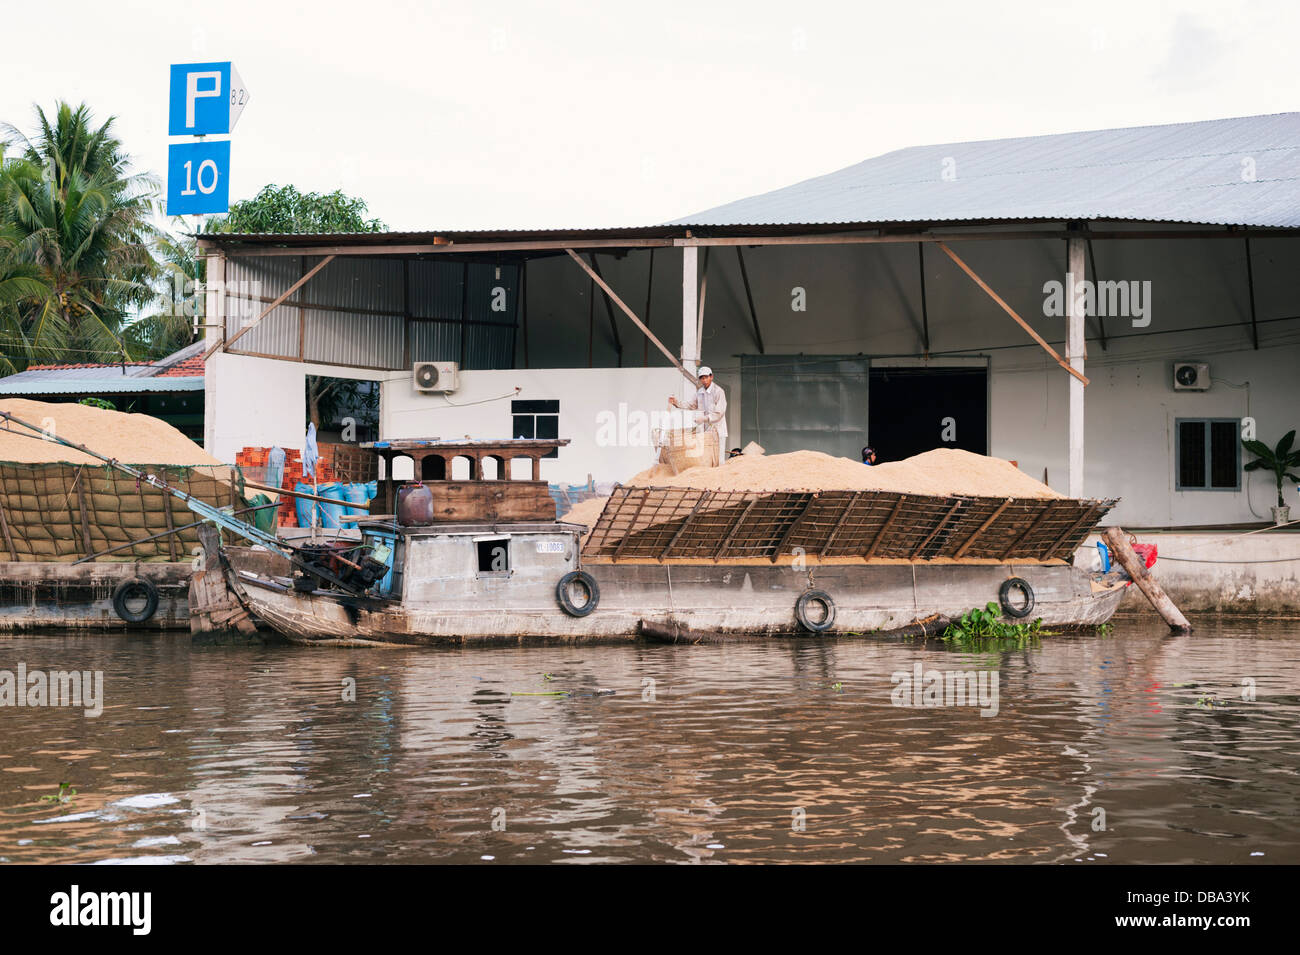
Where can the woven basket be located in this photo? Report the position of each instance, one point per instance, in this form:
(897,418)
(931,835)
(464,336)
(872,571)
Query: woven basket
(687,448)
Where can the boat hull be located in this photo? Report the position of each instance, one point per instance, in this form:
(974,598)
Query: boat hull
(750,599)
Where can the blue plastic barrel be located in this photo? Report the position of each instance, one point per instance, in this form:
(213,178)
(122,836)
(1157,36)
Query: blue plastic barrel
(1105,557)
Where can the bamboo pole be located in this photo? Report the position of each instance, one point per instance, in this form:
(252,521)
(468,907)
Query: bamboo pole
(1117,541)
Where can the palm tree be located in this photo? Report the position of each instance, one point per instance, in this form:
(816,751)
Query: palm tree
(79,229)
(179,302)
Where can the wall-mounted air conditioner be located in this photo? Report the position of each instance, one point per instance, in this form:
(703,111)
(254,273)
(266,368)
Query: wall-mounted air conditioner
(435,377)
(1191,376)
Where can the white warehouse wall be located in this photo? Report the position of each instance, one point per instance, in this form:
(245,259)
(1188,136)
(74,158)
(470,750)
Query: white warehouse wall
(605,439)
(260,402)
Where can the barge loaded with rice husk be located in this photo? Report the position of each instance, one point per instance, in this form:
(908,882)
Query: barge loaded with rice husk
(82,544)
(708,552)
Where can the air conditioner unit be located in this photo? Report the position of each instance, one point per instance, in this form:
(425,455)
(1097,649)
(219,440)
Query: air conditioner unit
(1191,376)
(436,377)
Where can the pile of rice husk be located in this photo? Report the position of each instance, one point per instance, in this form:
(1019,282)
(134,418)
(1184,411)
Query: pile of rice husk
(129,438)
(941,472)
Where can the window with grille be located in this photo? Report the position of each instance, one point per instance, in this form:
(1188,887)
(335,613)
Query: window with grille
(1208,454)
(536,419)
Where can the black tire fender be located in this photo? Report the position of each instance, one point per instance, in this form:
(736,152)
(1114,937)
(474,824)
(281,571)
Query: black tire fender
(566,601)
(801,611)
(135,588)
(1016,583)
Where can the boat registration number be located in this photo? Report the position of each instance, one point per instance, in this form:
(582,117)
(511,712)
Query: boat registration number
(550,547)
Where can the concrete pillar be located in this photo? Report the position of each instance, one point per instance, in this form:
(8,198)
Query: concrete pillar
(1075,352)
(690,282)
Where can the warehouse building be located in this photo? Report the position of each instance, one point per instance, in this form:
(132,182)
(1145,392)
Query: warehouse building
(916,300)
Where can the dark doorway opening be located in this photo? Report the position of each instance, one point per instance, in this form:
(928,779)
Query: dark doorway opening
(911,410)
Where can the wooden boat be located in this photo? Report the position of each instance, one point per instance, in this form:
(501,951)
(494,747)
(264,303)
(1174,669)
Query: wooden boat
(494,564)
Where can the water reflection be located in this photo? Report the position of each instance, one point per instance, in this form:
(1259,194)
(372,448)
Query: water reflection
(1135,747)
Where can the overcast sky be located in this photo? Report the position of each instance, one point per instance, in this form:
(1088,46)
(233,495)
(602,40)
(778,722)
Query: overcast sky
(535,115)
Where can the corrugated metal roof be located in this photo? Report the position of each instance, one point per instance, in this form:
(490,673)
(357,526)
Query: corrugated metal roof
(81,372)
(1243,171)
(1240,171)
(22,385)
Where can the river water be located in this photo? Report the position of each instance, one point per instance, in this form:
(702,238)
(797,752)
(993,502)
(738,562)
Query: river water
(1129,747)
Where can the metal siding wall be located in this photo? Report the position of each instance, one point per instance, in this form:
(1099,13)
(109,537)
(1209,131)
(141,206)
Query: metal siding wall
(435,289)
(380,291)
(435,341)
(486,346)
(268,277)
(791,402)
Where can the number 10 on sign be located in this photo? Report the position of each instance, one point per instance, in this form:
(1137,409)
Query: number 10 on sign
(198,178)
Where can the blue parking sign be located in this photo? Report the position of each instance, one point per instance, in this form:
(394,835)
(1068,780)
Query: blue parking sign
(199,104)
(198,178)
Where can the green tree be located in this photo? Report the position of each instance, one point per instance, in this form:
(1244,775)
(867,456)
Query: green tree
(179,304)
(285,209)
(77,240)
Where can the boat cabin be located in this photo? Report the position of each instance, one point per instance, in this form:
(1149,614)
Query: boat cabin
(485,537)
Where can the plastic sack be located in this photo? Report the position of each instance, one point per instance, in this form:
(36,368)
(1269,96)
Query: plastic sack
(356,494)
(330,513)
(303,507)
(1147,552)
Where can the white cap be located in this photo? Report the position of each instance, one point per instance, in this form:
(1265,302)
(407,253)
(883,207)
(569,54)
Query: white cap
(705,370)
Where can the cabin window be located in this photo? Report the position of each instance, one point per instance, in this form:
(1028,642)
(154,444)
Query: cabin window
(1208,454)
(536,420)
(493,557)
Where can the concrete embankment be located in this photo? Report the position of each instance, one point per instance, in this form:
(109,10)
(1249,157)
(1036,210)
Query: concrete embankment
(1227,572)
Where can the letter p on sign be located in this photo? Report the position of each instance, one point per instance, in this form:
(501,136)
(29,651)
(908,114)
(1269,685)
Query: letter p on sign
(204,99)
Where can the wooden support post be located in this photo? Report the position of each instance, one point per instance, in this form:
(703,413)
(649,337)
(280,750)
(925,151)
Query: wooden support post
(9,540)
(1117,541)
(1075,351)
(81,509)
(983,527)
(880,534)
(1012,312)
(844,516)
(749,297)
(171,525)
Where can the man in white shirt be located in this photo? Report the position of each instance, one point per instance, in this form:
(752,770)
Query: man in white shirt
(710,407)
